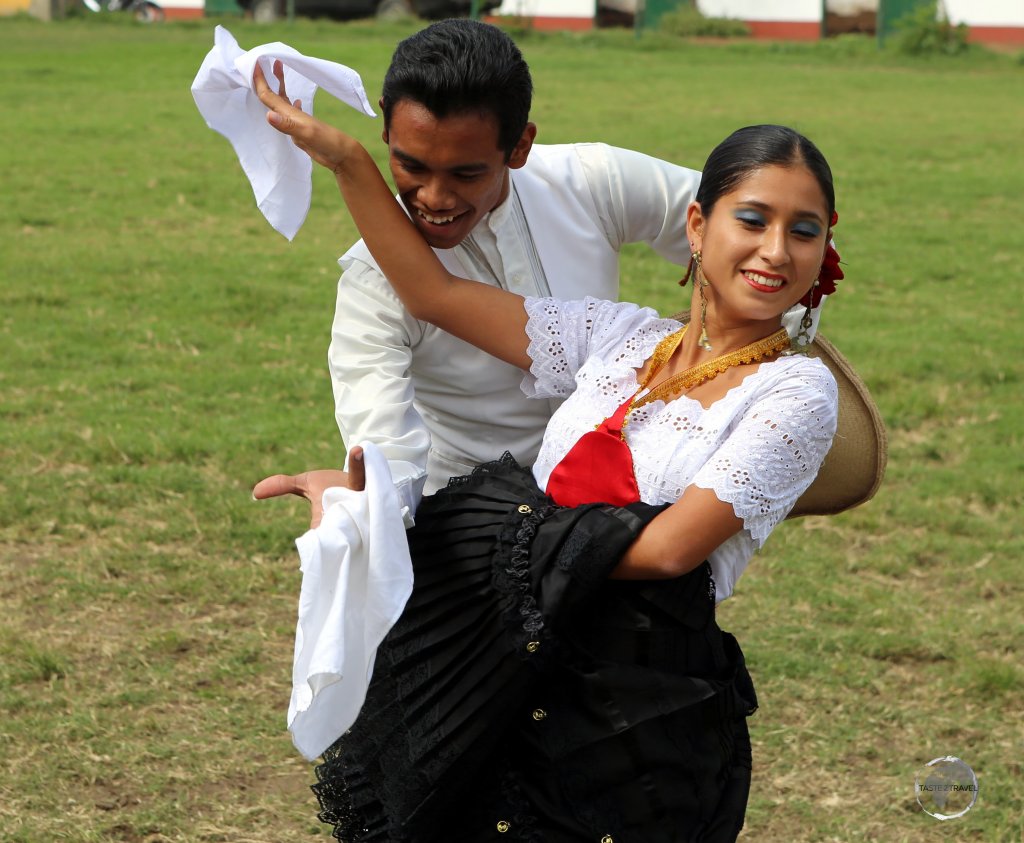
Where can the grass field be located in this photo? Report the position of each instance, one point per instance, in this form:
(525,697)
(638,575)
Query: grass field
(161,349)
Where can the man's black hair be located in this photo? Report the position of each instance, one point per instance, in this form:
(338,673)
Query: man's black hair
(460,66)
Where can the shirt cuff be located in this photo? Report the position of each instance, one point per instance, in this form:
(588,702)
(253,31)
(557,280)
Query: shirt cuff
(410,493)
(409,480)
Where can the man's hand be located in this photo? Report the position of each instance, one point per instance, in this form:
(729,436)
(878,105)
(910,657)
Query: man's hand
(311,485)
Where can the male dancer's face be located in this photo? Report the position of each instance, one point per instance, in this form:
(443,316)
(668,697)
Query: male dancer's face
(449,171)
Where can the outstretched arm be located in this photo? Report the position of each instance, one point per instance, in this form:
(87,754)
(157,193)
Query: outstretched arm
(487,317)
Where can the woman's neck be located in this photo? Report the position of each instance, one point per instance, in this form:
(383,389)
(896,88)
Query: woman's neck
(724,335)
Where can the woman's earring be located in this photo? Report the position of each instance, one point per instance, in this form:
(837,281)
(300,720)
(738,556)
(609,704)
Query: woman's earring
(803,338)
(701,282)
(689,267)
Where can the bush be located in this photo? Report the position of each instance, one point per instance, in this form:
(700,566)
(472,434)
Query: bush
(921,33)
(686,22)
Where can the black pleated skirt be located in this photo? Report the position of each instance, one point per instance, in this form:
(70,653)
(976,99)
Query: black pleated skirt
(643,735)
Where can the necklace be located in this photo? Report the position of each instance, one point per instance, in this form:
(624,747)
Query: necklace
(702,372)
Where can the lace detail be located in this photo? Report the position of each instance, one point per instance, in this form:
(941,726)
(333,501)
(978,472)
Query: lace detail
(565,335)
(499,466)
(522,616)
(339,787)
(775,451)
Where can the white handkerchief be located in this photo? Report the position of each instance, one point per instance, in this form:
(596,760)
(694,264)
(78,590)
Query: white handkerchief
(280,173)
(356,578)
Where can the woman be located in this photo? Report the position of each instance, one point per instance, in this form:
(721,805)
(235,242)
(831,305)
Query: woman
(558,674)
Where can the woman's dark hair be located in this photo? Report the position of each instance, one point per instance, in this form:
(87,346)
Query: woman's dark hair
(753,147)
(459,66)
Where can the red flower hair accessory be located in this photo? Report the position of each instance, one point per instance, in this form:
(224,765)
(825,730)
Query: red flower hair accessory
(829,274)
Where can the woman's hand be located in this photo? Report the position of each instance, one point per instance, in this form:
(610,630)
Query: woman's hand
(311,485)
(326,145)
(488,317)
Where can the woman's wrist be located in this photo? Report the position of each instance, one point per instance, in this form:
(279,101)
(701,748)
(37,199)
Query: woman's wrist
(352,160)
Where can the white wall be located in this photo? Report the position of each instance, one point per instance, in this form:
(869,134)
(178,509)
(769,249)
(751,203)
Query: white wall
(985,12)
(549,8)
(768,10)
(971,12)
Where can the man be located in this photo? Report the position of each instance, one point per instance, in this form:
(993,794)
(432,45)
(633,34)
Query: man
(537,220)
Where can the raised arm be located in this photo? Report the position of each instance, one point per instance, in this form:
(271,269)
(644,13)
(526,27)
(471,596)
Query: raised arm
(491,319)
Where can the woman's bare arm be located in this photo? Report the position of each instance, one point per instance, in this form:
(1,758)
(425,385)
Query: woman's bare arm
(680,538)
(490,318)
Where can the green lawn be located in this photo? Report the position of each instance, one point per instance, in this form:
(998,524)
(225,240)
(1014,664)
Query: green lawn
(161,349)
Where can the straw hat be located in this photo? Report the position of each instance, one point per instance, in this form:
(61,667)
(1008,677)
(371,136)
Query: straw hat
(854,467)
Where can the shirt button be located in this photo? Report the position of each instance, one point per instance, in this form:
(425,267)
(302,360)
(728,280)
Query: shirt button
(539,714)
(524,509)
(503,827)
(607,839)
(533,647)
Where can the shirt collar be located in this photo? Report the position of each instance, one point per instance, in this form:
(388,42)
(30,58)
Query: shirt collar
(500,216)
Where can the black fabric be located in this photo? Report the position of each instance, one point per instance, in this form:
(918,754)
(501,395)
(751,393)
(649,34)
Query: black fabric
(522,687)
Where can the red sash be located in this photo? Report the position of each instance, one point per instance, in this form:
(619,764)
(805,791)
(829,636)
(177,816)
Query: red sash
(598,468)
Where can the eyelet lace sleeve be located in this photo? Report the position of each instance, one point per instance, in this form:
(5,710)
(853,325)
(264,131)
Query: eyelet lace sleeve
(774,452)
(563,335)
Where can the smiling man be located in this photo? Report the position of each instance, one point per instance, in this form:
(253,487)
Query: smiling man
(537,220)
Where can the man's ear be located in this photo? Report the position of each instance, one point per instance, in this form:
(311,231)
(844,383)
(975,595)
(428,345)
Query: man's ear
(384,131)
(521,151)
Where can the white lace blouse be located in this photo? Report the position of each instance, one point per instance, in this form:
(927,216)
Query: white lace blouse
(757,448)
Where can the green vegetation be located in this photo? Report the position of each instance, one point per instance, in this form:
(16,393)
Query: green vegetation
(161,349)
(921,32)
(686,21)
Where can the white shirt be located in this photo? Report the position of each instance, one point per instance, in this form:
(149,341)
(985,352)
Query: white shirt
(437,406)
(757,448)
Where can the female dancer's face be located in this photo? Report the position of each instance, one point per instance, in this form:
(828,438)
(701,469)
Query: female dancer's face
(763,244)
